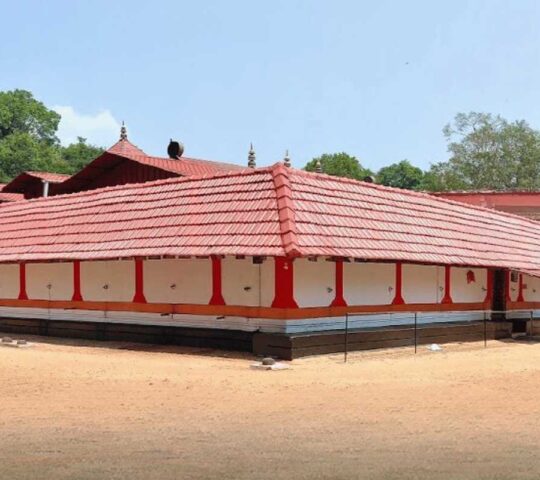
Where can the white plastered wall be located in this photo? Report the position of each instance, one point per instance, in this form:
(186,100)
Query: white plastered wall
(118,275)
(463,292)
(531,288)
(9,281)
(314,282)
(420,283)
(182,280)
(57,276)
(369,283)
(514,286)
(246,283)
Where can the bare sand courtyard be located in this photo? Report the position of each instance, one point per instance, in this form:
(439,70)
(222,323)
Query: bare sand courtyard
(85,410)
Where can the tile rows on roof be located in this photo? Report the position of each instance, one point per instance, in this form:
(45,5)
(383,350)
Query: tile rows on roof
(265,212)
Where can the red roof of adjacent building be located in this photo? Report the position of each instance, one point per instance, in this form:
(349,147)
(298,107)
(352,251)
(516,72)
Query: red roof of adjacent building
(268,211)
(525,203)
(119,163)
(21,181)
(9,197)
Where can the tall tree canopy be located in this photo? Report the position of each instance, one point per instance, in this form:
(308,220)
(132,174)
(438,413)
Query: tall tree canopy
(487,152)
(401,175)
(28,138)
(339,165)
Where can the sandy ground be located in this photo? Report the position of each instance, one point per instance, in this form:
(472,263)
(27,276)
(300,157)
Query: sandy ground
(84,410)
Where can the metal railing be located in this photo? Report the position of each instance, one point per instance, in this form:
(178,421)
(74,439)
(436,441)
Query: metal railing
(417,321)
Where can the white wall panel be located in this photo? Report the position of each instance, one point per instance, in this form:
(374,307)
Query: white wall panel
(369,283)
(420,283)
(182,280)
(57,276)
(117,275)
(9,281)
(314,282)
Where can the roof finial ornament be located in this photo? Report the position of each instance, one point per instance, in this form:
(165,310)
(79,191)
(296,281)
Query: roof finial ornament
(286,159)
(318,166)
(123,132)
(251,156)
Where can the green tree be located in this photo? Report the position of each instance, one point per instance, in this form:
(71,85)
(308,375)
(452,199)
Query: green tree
(401,175)
(28,139)
(487,152)
(339,165)
(78,155)
(20,112)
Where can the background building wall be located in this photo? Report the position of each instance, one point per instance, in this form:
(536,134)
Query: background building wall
(531,290)
(246,283)
(9,281)
(465,291)
(369,283)
(58,275)
(314,282)
(118,275)
(420,283)
(178,280)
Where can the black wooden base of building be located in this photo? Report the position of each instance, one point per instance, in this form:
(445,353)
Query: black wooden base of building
(284,346)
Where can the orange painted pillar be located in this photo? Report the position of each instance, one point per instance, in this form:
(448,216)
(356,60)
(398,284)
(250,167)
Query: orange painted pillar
(139,282)
(447,298)
(398,297)
(22,282)
(217,294)
(77,295)
(284,283)
(339,300)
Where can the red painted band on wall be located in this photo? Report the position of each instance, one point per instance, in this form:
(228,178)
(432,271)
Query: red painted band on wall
(447,285)
(217,294)
(398,298)
(339,300)
(139,282)
(284,283)
(246,311)
(77,295)
(22,282)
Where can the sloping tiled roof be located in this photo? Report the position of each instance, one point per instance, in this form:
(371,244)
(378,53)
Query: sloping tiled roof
(21,181)
(124,150)
(9,197)
(183,166)
(267,211)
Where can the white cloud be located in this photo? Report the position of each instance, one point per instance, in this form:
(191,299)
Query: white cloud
(101,129)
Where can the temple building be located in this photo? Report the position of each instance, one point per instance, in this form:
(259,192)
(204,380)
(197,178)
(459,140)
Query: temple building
(272,260)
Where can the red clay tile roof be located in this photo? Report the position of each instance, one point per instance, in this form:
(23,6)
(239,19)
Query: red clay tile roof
(20,183)
(184,166)
(124,150)
(267,211)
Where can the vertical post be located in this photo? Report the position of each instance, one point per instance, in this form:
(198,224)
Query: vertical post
(217,293)
(22,282)
(447,282)
(415,332)
(77,295)
(520,289)
(339,300)
(485,330)
(139,282)
(398,298)
(346,348)
(531,330)
(284,283)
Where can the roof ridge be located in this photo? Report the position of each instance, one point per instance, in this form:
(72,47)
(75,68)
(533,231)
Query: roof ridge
(285,207)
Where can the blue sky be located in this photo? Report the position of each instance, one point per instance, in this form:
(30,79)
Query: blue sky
(376,79)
